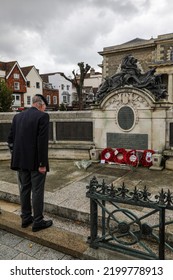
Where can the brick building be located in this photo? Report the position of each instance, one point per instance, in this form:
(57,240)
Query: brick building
(15,79)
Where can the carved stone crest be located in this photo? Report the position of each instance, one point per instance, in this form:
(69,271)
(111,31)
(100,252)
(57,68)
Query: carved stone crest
(124,100)
(125,97)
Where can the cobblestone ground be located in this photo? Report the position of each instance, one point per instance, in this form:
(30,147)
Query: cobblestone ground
(13,247)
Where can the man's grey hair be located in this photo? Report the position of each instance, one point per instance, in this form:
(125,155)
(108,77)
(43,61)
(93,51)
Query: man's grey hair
(37,99)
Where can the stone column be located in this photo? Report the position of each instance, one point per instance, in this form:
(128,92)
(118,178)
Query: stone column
(170,87)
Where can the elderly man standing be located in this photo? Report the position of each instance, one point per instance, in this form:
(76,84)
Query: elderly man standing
(28,142)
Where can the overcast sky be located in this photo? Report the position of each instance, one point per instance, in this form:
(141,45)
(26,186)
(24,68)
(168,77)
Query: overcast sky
(54,35)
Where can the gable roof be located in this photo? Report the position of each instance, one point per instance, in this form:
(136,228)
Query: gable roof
(27,69)
(137,42)
(9,66)
(45,77)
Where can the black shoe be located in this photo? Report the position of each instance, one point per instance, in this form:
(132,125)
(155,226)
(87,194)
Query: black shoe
(27,222)
(42,225)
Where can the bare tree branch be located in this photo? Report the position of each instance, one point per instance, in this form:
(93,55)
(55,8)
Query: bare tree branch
(78,81)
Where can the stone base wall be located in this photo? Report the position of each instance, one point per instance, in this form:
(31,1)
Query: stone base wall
(79,148)
(128,112)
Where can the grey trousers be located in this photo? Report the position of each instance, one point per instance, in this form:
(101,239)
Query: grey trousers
(32,194)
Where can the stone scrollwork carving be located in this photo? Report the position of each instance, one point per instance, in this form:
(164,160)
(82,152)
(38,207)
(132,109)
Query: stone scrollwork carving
(139,101)
(125,98)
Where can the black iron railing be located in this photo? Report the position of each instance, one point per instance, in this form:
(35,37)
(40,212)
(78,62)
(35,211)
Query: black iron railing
(133,222)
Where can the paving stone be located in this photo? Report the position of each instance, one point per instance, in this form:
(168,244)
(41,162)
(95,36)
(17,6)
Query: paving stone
(28,247)
(68,257)
(27,250)
(23,256)
(2,232)
(7,252)
(46,253)
(10,239)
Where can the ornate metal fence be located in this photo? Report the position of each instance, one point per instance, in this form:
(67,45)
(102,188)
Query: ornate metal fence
(133,222)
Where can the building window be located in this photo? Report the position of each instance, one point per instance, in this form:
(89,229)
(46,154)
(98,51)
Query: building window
(16,101)
(16,76)
(68,87)
(48,99)
(64,99)
(171,55)
(16,86)
(37,85)
(62,87)
(54,100)
(28,84)
(28,100)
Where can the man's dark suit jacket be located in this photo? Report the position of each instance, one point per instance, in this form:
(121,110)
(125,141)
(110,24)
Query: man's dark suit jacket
(28,140)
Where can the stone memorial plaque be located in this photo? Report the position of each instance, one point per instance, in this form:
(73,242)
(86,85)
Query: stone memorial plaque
(126,117)
(51,131)
(4,131)
(127,141)
(74,131)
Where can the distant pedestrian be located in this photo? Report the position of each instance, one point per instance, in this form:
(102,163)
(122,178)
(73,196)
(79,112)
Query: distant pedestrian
(28,142)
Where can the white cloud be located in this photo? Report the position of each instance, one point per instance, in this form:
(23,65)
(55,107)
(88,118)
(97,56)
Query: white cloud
(55,35)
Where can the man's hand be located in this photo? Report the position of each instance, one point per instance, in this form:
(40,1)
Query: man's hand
(42,169)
